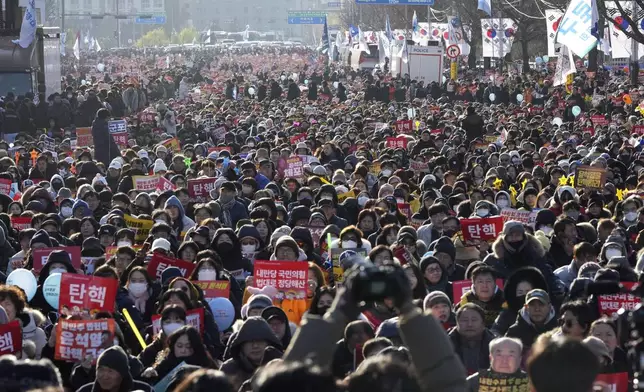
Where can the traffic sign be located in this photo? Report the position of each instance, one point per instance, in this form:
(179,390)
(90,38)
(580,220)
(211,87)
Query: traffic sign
(306,19)
(396,2)
(453,51)
(156,19)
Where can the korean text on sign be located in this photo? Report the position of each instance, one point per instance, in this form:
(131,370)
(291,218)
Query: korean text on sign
(145,183)
(81,294)
(288,277)
(599,119)
(200,188)
(214,288)
(120,138)
(298,138)
(158,263)
(5,186)
(397,142)
(84,137)
(575,28)
(20,222)
(498,382)
(294,168)
(117,126)
(194,317)
(41,256)
(404,126)
(481,229)
(10,338)
(76,340)
(611,303)
(590,177)
(338,271)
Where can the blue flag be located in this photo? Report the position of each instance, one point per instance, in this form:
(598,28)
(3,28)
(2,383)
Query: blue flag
(388,32)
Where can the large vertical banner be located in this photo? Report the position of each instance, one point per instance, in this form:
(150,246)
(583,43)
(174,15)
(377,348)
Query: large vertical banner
(575,27)
(553,18)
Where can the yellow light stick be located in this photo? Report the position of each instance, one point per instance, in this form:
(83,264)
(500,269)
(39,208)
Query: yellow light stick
(134,328)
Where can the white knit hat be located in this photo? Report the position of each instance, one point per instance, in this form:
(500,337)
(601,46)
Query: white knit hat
(159,166)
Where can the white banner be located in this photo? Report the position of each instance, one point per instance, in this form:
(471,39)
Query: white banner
(620,43)
(498,36)
(553,18)
(565,67)
(574,28)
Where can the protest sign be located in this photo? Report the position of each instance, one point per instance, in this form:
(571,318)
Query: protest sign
(613,382)
(77,340)
(298,138)
(194,317)
(481,229)
(611,303)
(397,142)
(165,185)
(10,338)
(86,295)
(141,227)
(218,133)
(84,137)
(419,166)
(526,217)
(5,186)
(289,278)
(293,167)
(338,271)
(343,196)
(41,255)
(590,177)
(199,189)
(316,233)
(405,209)
(158,263)
(599,119)
(120,139)
(214,288)
(638,129)
(172,145)
(404,126)
(499,382)
(117,126)
(20,222)
(145,183)
(49,144)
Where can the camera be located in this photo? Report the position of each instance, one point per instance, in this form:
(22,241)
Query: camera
(373,284)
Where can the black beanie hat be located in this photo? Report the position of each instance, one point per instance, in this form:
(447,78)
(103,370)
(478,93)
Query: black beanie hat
(59,256)
(41,237)
(444,245)
(426,261)
(545,217)
(116,359)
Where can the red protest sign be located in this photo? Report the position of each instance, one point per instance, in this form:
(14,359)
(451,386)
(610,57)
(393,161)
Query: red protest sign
(294,167)
(165,185)
(419,166)
(120,138)
(397,142)
(405,209)
(298,138)
(84,137)
(20,223)
(82,294)
(200,188)
(404,126)
(10,338)
(613,382)
(527,217)
(194,317)
(219,149)
(611,303)
(214,288)
(290,278)
(598,119)
(158,263)
(481,229)
(41,256)
(5,186)
(316,233)
(638,129)
(76,340)
(462,287)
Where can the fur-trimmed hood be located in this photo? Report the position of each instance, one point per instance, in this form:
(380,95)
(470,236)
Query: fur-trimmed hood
(532,248)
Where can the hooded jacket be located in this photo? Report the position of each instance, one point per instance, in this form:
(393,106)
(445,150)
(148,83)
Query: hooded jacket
(302,234)
(443,285)
(238,367)
(444,244)
(233,260)
(81,203)
(527,331)
(108,149)
(182,224)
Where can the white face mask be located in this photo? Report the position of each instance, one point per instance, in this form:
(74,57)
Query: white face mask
(610,253)
(138,288)
(482,212)
(547,230)
(362,200)
(502,203)
(349,244)
(57,270)
(66,211)
(248,248)
(207,274)
(386,172)
(171,327)
(123,243)
(631,216)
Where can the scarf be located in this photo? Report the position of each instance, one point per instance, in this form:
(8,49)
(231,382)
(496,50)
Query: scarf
(140,302)
(225,212)
(511,250)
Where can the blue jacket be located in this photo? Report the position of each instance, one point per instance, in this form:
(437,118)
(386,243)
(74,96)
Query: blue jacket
(262,181)
(237,213)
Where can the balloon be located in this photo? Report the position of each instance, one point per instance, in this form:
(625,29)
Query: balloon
(223,311)
(335,84)
(576,110)
(295,76)
(283,77)
(627,99)
(519,98)
(545,58)
(557,121)
(492,97)
(306,81)
(83,82)
(100,67)
(411,112)
(538,60)
(51,289)
(251,91)
(25,280)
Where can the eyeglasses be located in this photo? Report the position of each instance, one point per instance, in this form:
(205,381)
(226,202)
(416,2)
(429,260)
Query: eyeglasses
(567,323)
(434,270)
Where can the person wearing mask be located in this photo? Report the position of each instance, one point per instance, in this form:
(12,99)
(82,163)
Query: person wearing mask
(505,361)
(226,244)
(232,210)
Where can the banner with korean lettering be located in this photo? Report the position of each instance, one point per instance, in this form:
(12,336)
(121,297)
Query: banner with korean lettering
(638,130)
(290,278)
(419,166)
(84,137)
(41,256)
(141,227)
(10,338)
(20,222)
(213,288)
(145,183)
(405,209)
(120,139)
(78,340)
(494,381)
(158,263)
(172,145)
(83,295)
(218,133)
(397,142)
(338,271)
(199,189)
(316,233)
(613,382)
(590,177)
(5,186)
(575,28)
(404,126)
(298,138)
(194,317)
(165,185)
(481,229)
(611,303)
(527,217)
(117,126)
(294,167)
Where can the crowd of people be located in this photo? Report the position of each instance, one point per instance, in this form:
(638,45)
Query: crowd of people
(470,235)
